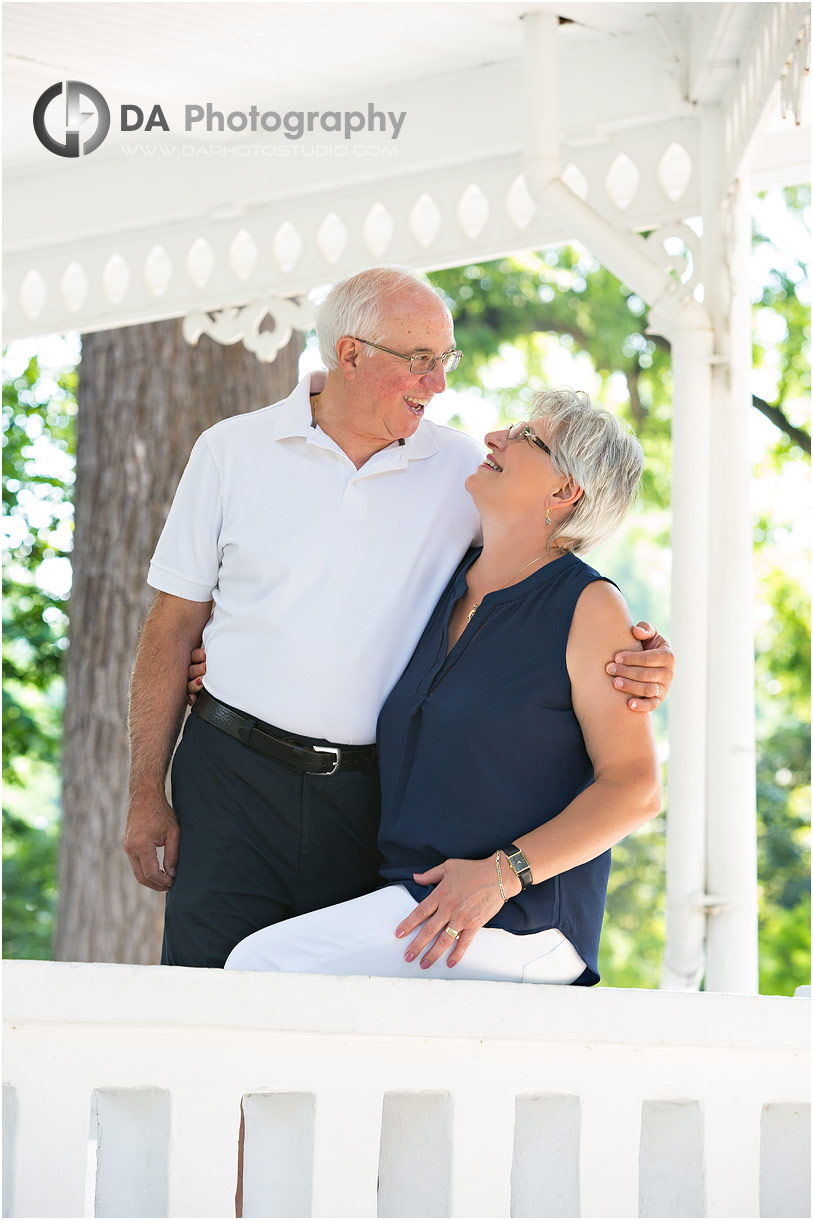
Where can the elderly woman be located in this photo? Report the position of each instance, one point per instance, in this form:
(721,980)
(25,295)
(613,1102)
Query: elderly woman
(508,767)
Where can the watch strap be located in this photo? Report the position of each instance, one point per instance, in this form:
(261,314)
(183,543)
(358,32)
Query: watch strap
(516,859)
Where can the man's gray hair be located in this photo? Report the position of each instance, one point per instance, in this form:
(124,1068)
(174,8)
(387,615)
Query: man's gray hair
(356,306)
(598,451)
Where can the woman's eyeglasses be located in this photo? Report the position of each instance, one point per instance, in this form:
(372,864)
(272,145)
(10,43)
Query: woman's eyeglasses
(527,433)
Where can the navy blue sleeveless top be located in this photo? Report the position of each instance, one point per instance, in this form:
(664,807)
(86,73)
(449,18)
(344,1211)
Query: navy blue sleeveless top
(481,746)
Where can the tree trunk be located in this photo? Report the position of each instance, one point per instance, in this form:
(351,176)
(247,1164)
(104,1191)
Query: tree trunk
(145,395)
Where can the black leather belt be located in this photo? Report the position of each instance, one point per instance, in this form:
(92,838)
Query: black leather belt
(302,756)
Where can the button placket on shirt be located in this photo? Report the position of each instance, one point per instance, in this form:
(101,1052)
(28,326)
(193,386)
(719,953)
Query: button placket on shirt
(354,500)
(437,667)
(386,461)
(348,496)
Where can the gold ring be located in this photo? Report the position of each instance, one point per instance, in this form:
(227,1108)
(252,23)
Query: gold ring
(451,932)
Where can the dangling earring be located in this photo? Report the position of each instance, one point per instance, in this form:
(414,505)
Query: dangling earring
(547,516)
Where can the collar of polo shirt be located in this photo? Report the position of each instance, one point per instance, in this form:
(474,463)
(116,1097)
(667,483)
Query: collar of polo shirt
(295,419)
(322,576)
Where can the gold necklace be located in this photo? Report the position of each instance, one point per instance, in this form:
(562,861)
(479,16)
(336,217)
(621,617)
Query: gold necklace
(477,605)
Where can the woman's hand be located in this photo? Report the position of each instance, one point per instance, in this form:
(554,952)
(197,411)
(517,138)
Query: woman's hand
(197,668)
(465,897)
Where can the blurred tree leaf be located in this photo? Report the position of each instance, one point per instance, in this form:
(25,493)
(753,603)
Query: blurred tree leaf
(39,420)
(29,887)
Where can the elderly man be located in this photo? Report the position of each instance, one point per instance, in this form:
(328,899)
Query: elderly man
(311,539)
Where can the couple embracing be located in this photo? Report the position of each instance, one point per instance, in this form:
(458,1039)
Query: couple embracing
(422,724)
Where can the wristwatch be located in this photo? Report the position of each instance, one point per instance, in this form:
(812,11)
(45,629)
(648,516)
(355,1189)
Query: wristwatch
(516,858)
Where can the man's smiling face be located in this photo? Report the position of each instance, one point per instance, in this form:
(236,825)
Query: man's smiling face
(388,400)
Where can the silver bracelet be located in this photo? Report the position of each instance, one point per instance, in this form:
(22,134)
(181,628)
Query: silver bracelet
(499,879)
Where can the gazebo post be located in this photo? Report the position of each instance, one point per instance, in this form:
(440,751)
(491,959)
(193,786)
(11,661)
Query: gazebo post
(731,830)
(678,316)
(684,951)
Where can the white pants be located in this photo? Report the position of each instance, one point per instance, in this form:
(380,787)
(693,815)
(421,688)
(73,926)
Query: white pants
(358,937)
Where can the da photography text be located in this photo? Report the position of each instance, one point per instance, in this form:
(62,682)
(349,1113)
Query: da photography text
(292,123)
(72,118)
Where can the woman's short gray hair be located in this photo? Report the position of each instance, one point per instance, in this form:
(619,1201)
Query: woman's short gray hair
(355,306)
(595,449)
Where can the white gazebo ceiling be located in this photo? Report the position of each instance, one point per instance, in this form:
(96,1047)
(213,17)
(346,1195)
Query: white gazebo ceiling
(157,224)
(276,55)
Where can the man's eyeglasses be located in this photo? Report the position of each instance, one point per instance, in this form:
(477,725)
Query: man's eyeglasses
(527,433)
(419,362)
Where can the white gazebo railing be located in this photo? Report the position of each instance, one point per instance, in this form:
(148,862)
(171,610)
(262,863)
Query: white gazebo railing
(367,1097)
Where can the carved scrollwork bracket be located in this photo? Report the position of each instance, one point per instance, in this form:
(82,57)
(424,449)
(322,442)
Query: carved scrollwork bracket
(685,261)
(242,323)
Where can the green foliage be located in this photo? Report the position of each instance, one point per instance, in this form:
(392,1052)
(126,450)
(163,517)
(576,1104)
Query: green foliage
(29,887)
(784,947)
(632,937)
(783,652)
(39,413)
(783,308)
(39,417)
(783,758)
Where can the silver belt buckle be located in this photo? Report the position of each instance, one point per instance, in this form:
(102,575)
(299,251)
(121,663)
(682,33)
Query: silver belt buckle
(329,750)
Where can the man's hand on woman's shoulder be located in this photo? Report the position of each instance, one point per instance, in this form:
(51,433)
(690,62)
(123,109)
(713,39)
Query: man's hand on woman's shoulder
(644,676)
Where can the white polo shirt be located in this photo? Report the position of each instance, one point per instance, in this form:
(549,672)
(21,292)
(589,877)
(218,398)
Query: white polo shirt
(322,576)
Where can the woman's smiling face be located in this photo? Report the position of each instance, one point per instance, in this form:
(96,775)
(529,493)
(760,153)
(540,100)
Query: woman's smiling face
(518,474)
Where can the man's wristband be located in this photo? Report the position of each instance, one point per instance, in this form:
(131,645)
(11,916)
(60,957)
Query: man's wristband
(517,861)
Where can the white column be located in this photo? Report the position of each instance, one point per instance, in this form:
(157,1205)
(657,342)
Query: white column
(683,962)
(731,849)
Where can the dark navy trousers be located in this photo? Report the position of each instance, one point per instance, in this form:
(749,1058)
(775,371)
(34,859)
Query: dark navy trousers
(259,843)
